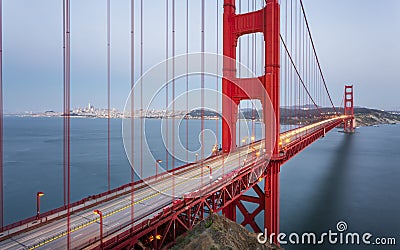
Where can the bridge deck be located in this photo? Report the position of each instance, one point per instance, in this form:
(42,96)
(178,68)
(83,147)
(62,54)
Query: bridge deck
(150,197)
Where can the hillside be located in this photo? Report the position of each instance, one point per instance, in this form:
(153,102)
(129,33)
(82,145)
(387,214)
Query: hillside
(217,232)
(364,116)
(370,117)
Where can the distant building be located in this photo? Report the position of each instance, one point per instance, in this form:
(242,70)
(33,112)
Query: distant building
(90,108)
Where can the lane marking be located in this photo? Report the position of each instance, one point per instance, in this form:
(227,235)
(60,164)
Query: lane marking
(76,236)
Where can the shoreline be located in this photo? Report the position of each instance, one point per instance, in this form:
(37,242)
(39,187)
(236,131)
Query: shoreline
(360,121)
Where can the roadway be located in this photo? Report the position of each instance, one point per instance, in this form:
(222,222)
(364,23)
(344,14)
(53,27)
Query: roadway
(148,200)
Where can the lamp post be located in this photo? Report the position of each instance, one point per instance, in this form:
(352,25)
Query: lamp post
(215,149)
(196,156)
(98,212)
(38,195)
(157,162)
(210,168)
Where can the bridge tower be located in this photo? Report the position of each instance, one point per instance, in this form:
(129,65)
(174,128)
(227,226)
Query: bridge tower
(235,89)
(349,108)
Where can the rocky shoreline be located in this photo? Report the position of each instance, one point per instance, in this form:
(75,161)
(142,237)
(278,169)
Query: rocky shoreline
(372,117)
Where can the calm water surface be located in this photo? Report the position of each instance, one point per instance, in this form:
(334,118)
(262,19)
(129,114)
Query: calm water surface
(351,178)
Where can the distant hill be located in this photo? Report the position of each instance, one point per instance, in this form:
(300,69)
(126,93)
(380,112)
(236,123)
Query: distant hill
(370,117)
(306,115)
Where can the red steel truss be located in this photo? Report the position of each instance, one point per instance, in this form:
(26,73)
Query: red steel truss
(163,228)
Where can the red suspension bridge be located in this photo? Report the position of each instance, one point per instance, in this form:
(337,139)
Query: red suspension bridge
(282,75)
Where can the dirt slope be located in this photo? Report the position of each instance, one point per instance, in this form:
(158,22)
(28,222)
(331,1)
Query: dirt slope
(217,232)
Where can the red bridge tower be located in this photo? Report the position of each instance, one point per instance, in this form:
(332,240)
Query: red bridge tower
(267,22)
(349,108)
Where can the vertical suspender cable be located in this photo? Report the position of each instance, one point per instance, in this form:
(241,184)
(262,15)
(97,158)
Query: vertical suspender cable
(253,113)
(316,79)
(305,61)
(108,94)
(290,103)
(307,79)
(187,81)
(305,56)
(309,64)
(141,89)
(64,120)
(281,83)
(309,67)
(289,68)
(132,114)
(303,49)
(253,72)
(240,76)
(1,117)
(292,73)
(262,64)
(66,15)
(173,84)
(240,47)
(296,49)
(166,85)
(312,82)
(298,43)
(202,87)
(298,26)
(249,75)
(287,92)
(311,86)
(217,78)
(173,97)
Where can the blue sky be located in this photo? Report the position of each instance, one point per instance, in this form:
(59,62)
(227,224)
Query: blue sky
(357,43)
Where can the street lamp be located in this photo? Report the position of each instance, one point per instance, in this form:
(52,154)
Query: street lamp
(196,156)
(98,212)
(157,162)
(38,195)
(210,168)
(215,149)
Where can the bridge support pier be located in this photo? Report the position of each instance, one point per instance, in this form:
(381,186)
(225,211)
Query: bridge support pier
(271,191)
(267,200)
(230,211)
